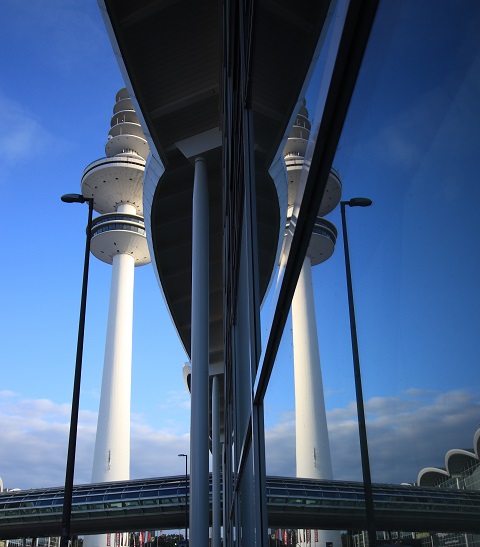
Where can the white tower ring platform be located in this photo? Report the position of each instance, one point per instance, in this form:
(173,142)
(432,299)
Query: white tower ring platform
(322,242)
(119,233)
(333,194)
(333,189)
(125,123)
(294,156)
(112,181)
(295,146)
(117,144)
(123,104)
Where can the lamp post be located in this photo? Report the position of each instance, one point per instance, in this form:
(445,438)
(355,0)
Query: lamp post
(186,488)
(72,440)
(362,430)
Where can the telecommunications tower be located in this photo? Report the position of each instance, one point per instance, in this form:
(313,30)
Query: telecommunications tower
(118,238)
(313,459)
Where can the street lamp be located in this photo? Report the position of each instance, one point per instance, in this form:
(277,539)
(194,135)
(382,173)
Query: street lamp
(72,440)
(362,430)
(186,488)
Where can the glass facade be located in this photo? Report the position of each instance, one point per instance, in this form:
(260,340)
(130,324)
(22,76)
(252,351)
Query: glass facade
(409,143)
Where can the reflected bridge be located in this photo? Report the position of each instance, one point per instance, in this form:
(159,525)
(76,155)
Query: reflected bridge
(159,504)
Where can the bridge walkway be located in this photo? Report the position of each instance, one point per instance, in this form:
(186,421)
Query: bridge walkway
(159,504)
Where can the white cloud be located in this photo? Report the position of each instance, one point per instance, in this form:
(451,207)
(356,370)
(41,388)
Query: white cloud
(7,393)
(33,441)
(176,399)
(411,440)
(280,447)
(405,435)
(33,445)
(154,453)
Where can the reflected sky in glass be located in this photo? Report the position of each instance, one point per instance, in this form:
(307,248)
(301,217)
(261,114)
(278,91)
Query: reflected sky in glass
(411,144)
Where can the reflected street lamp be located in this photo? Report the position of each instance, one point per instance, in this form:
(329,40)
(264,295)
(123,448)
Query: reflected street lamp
(186,488)
(362,430)
(72,440)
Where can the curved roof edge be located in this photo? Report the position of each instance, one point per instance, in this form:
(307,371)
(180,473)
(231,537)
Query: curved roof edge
(187,375)
(278,173)
(476,443)
(154,169)
(431,476)
(457,459)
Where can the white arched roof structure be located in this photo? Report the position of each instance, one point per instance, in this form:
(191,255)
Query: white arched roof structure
(457,460)
(432,476)
(476,443)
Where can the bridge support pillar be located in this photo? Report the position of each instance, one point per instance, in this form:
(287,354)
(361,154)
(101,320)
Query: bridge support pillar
(199,449)
(216,463)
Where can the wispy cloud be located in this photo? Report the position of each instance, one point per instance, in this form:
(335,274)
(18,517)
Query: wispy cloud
(34,444)
(176,399)
(154,453)
(34,440)
(405,435)
(73,31)
(6,393)
(26,137)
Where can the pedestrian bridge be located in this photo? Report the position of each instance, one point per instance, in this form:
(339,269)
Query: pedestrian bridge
(159,504)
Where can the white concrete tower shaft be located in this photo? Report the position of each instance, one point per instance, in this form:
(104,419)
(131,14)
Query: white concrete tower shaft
(313,458)
(112,445)
(312,447)
(118,238)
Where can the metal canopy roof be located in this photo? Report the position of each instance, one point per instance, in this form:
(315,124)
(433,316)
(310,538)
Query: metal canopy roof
(172,51)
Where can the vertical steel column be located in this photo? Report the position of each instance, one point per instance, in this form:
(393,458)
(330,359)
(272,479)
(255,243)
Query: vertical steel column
(199,449)
(216,464)
(255,525)
(243,381)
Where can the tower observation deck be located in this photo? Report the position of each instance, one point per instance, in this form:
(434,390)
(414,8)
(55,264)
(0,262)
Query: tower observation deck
(313,459)
(118,238)
(324,236)
(116,185)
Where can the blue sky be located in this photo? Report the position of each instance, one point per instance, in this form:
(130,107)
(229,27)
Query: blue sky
(410,144)
(57,93)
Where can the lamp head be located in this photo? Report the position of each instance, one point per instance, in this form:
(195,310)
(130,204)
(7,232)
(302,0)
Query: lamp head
(359,202)
(73,198)
(183,455)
